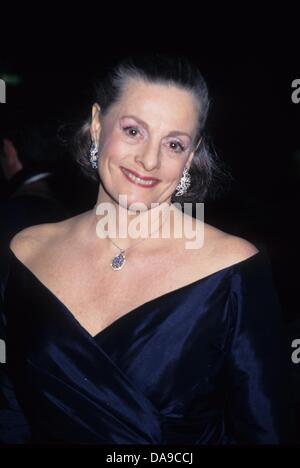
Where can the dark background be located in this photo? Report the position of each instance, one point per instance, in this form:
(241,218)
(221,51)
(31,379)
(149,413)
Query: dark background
(253,123)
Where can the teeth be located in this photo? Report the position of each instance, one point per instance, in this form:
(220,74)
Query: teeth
(140,181)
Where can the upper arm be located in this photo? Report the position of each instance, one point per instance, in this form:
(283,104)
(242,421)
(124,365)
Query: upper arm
(13,424)
(258,409)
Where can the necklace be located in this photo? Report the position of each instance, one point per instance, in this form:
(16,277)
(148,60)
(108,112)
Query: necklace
(118,261)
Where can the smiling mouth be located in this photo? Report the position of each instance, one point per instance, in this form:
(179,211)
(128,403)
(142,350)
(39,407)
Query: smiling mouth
(147,182)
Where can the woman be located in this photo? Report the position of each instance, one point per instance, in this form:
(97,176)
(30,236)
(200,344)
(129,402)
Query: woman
(130,339)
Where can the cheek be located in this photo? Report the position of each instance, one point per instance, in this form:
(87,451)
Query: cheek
(113,148)
(172,170)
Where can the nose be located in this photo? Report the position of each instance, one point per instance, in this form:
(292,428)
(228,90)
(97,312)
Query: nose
(149,157)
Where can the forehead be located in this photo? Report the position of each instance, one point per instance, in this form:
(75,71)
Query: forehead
(159,105)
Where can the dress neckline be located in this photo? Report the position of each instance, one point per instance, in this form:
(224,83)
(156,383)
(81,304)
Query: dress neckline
(135,310)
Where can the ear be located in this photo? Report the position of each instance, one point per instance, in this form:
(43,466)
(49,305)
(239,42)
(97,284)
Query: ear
(96,123)
(10,150)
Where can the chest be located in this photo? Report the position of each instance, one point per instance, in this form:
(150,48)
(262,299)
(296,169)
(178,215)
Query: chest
(97,296)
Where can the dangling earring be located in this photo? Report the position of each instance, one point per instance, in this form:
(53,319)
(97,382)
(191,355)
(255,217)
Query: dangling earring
(94,155)
(184,183)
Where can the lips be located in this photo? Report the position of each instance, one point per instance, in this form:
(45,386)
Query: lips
(142,181)
(136,174)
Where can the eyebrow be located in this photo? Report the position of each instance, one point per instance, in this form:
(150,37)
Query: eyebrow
(145,125)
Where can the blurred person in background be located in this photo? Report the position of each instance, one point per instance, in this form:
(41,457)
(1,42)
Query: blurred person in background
(32,193)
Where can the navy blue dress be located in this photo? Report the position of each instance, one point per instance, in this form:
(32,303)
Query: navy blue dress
(203,364)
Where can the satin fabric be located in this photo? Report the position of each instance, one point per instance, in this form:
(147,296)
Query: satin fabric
(202,364)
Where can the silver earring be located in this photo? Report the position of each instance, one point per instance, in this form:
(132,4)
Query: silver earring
(94,155)
(184,183)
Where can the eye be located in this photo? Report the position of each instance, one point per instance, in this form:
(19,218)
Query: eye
(177,147)
(131,131)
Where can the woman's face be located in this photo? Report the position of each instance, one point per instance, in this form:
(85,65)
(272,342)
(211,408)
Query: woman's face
(149,133)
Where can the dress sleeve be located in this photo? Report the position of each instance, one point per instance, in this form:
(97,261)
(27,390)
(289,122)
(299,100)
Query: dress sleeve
(14,428)
(258,404)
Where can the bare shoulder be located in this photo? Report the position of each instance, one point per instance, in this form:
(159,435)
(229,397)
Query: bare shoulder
(35,241)
(26,242)
(229,249)
(31,240)
(239,249)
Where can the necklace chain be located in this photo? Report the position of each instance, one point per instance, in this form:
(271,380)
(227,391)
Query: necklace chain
(141,240)
(118,261)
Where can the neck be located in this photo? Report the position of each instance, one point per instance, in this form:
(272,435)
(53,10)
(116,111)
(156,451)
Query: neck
(127,227)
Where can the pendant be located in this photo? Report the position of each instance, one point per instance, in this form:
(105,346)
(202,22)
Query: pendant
(118,261)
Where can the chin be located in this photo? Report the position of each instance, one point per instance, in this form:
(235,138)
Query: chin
(138,205)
